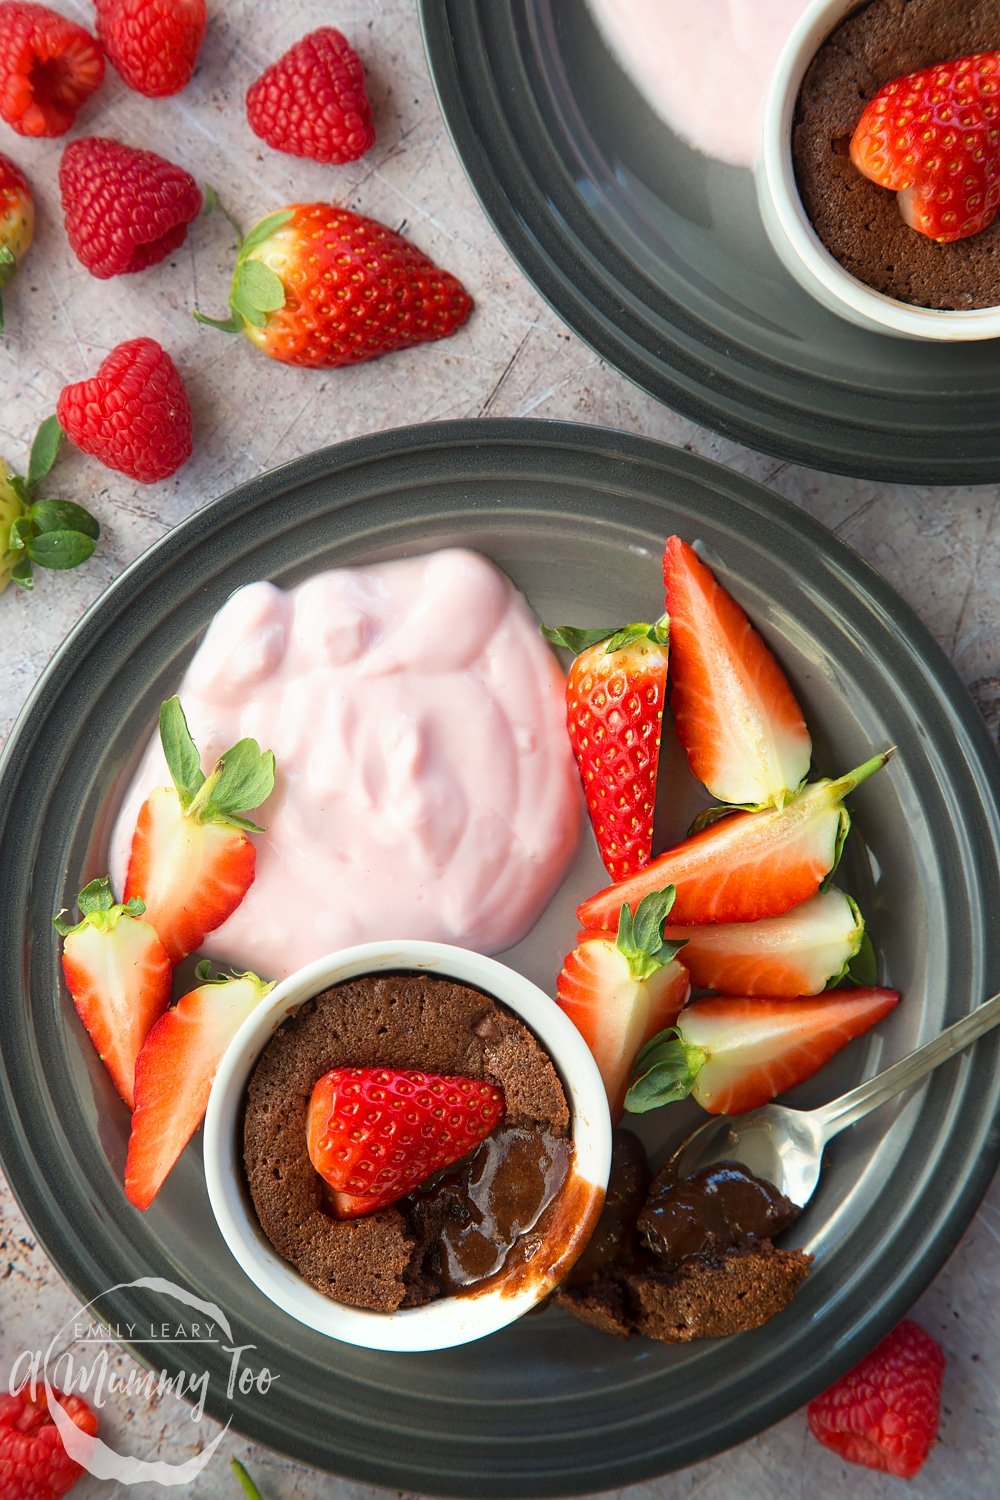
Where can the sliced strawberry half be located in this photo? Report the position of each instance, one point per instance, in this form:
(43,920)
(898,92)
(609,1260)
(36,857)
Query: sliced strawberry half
(374,1134)
(615,692)
(734,1054)
(749,864)
(798,953)
(191,861)
(175,1071)
(118,973)
(735,713)
(621,991)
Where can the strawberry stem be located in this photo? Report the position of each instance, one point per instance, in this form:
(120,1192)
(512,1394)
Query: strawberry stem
(246,1482)
(664,1072)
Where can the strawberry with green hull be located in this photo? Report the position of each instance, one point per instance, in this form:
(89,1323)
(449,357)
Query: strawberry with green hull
(374,1134)
(118,973)
(17,221)
(734,1054)
(615,691)
(798,953)
(735,713)
(746,865)
(619,992)
(191,862)
(44,533)
(322,286)
(175,1071)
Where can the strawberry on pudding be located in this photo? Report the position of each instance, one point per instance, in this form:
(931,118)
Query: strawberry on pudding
(425,787)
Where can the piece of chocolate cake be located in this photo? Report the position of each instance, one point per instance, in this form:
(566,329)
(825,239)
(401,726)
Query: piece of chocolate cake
(436,1241)
(684,1259)
(858,221)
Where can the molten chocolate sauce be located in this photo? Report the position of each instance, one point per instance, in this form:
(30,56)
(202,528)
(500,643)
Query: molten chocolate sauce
(718,1208)
(474,1213)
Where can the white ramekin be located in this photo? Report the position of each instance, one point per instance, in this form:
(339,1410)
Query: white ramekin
(450,1320)
(796,242)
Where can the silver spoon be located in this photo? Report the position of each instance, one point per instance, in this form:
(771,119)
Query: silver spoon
(785,1146)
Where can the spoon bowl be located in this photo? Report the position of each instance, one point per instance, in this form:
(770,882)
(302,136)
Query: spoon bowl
(785,1146)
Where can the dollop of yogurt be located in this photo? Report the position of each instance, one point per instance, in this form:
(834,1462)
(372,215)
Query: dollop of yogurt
(703,65)
(425,786)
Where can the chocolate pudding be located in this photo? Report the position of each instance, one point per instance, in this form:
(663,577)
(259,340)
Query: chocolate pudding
(858,221)
(477,1221)
(680,1260)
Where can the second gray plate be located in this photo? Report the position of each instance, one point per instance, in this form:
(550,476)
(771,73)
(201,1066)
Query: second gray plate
(577,517)
(656,256)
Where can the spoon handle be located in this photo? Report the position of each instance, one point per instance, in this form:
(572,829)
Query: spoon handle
(852,1106)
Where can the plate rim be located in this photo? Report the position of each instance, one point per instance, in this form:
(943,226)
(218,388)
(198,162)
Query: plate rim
(688,385)
(481,439)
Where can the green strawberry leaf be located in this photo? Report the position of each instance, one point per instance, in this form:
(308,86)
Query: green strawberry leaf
(862,969)
(60,549)
(44,450)
(225,325)
(98,908)
(664,1072)
(640,938)
(257,291)
(243,779)
(64,515)
(658,632)
(262,232)
(19,487)
(21,573)
(96,896)
(180,752)
(21,532)
(573,638)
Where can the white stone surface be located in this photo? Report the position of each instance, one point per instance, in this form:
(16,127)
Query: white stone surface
(940,548)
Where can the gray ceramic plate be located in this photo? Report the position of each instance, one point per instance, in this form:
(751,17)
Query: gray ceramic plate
(656,256)
(577,517)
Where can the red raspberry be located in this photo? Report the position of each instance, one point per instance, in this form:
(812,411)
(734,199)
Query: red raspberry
(312,101)
(124,209)
(884,1413)
(152,43)
(34,1465)
(48,67)
(134,414)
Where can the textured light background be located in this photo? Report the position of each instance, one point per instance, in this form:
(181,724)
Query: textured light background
(940,548)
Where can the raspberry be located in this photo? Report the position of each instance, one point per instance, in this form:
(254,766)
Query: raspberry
(34,1465)
(124,209)
(48,67)
(153,44)
(312,101)
(134,414)
(884,1413)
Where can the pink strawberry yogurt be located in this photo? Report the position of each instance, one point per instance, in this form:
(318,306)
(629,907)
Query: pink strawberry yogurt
(425,785)
(704,65)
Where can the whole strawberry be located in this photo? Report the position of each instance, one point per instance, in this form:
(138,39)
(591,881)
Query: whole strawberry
(153,44)
(134,414)
(48,67)
(374,1134)
(884,1413)
(933,138)
(34,1465)
(321,286)
(615,694)
(124,209)
(312,101)
(17,221)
